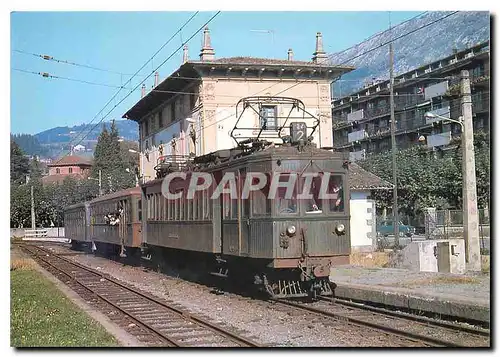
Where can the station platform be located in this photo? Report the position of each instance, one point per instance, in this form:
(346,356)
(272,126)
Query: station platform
(464,297)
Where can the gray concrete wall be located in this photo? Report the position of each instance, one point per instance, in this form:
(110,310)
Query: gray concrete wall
(420,256)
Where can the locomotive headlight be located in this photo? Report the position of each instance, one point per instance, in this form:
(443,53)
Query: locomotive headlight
(291,230)
(340,229)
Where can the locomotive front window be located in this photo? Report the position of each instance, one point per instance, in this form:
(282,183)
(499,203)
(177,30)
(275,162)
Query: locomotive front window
(336,190)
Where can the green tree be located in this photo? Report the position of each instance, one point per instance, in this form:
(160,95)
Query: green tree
(429,179)
(112,161)
(19,164)
(20,206)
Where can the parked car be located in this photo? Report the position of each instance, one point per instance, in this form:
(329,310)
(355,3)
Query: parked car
(386,228)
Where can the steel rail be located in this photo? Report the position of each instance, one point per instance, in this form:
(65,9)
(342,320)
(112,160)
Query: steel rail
(434,342)
(240,340)
(409,316)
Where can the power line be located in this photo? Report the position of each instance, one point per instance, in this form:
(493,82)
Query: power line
(378,34)
(144,65)
(384,44)
(362,54)
(52,59)
(48,75)
(177,50)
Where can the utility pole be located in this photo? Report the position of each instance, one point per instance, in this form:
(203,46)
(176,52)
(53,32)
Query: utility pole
(33,224)
(469,201)
(394,149)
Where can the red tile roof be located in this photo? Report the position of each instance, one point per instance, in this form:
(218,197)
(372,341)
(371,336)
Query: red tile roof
(59,178)
(71,161)
(360,179)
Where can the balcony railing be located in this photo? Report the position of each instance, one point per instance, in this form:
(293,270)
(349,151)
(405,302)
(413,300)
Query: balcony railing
(357,135)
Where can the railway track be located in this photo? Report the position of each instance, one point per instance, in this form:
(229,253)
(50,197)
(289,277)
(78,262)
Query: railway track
(151,320)
(418,331)
(394,327)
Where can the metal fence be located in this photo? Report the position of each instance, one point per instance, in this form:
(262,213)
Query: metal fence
(443,224)
(449,224)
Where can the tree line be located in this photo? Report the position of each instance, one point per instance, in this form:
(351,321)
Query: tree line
(429,179)
(111,157)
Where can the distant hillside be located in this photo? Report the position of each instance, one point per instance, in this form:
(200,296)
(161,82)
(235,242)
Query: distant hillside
(29,144)
(438,40)
(127,129)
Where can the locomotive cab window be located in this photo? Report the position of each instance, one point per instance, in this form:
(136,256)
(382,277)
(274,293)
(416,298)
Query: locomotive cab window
(336,190)
(313,205)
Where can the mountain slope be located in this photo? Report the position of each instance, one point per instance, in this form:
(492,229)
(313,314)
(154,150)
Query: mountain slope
(126,128)
(461,30)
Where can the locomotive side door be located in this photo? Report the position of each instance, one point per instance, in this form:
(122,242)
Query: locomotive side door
(243,216)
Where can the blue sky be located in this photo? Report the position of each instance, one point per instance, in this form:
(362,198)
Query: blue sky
(123,41)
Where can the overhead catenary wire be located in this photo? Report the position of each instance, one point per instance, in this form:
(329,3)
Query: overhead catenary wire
(53,59)
(356,56)
(152,72)
(130,79)
(364,53)
(48,75)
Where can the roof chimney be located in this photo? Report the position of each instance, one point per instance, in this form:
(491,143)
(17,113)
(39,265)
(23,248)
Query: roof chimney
(156,79)
(185,55)
(290,54)
(143,90)
(207,52)
(319,56)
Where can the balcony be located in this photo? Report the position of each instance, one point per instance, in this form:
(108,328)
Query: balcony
(357,135)
(436,90)
(356,116)
(444,112)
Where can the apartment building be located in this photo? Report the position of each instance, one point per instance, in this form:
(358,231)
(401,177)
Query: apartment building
(361,121)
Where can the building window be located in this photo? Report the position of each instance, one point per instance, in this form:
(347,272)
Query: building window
(153,123)
(160,119)
(70,170)
(477,71)
(268,117)
(146,128)
(172,112)
(58,171)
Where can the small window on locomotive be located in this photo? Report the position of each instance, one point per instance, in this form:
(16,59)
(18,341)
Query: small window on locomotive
(181,205)
(226,204)
(286,202)
(206,205)
(336,189)
(189,204)
(139,209)
(171,207)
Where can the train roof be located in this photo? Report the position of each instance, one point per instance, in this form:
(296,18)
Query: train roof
(76,205)
(123,193)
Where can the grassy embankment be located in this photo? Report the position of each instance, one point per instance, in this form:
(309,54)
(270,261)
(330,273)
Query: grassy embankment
(42,316)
